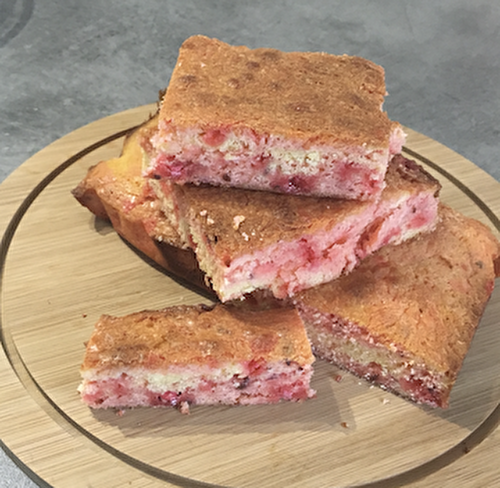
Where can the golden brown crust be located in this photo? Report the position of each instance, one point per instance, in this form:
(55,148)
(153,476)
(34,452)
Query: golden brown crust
(311,97)
(197,335)
(425,296)
(404,174)
(239,221)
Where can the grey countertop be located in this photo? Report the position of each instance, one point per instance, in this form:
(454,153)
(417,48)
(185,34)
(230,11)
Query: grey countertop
(64,64)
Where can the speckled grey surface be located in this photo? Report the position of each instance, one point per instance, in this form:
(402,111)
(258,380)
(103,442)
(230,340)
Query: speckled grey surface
(64,64)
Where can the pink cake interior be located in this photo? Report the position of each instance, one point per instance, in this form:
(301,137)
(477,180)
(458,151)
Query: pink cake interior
(270,162)
(353,348)
(255,382)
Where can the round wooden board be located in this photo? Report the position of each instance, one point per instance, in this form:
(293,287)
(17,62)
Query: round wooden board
(61,269)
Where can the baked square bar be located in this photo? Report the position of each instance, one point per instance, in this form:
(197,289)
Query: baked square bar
(249,240)
(300,123)
(197,355)
(405,318)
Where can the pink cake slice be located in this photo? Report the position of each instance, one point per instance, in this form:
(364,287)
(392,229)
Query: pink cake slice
(300,123)
(248,240)
(197,355)
(404,319)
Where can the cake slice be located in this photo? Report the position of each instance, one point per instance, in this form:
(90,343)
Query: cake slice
(300,123)
(197,355)
(404,319)
(249,240)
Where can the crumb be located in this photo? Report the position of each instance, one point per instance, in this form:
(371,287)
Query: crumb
(385,401)
(84,315)
(338,378)
(237,220)
(120,413)
(344,425)
(184,408)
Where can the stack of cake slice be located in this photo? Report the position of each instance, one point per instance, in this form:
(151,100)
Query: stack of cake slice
(280,173)
(248,240)
(280,170)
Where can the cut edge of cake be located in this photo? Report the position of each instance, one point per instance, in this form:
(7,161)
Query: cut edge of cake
(320,131)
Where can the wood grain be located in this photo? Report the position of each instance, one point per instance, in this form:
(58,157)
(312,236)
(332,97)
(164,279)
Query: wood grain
(61,268)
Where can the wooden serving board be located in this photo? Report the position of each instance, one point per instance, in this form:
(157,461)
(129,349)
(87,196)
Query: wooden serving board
(61,269)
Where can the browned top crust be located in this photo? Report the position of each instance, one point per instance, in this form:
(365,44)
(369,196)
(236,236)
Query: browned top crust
(238,221)
(196,335)
(425,296)
(312,97)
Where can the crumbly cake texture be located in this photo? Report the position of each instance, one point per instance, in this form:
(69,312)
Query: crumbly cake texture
(300,123)
(248,240)
(188,355)
(405,318)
